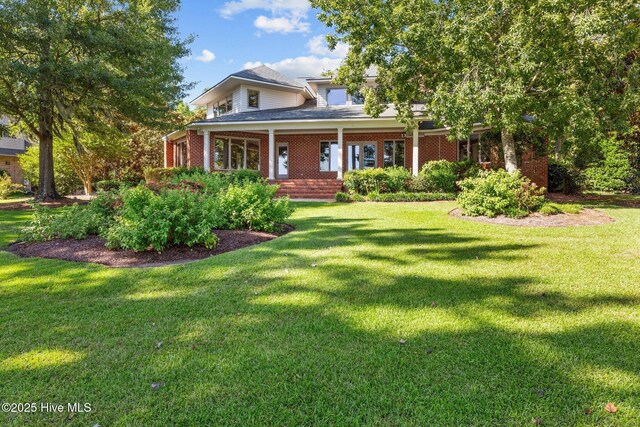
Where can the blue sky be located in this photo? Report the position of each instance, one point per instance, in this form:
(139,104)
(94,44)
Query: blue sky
(233,35)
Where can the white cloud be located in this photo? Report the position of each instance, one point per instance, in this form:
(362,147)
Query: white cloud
(276,7)
(301,66)
(206,56)
(281,25)
(318,46)
(287,16)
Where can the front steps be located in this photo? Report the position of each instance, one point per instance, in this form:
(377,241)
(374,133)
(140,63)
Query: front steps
(308,188)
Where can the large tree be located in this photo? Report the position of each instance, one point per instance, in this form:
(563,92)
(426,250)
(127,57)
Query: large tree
(87,62)
(568,66)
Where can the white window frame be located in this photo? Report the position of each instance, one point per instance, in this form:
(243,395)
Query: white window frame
(244,157)
(362,144)
(395,142)
(249,97)
(179,159)
(330,142)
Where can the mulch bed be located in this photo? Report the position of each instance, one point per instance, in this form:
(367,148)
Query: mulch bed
(93,249)
(58,203)
(585,217)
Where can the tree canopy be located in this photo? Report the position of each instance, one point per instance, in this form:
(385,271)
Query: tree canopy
(89,64)
(569,67)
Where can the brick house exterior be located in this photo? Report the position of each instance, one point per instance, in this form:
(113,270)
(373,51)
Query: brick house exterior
(306,135)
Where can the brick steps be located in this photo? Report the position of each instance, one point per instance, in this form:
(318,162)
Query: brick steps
(308,188)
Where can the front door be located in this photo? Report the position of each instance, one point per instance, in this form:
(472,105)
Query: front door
(282,160)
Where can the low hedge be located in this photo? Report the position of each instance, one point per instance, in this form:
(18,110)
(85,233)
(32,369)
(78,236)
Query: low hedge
(394,197)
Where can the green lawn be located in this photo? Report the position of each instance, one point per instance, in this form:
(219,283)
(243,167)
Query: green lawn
(502,325)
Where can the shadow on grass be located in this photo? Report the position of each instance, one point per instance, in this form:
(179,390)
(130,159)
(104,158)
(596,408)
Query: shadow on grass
(287,333)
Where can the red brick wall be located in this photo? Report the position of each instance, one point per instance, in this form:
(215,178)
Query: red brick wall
(536,168)
(437,147)
(169,154)
(195,149)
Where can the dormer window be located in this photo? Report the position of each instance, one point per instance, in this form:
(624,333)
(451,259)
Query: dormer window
(224,105)
(340,96)
(253,97)
(336,97)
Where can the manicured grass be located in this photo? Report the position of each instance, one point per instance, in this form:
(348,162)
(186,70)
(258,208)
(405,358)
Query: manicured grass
(502,325)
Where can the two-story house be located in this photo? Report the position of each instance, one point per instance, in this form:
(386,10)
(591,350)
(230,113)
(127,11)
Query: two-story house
(305,135)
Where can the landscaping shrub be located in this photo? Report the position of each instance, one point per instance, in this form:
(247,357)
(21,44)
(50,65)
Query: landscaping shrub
(75,222)
(442,175)
(550,208)
(409,197)
(563,178)
(614,172)
(342,197)
(498,192)
(367,180)
(6,186)
(252,205)
(110,184)
(439,176)
(148,220)
(166,213)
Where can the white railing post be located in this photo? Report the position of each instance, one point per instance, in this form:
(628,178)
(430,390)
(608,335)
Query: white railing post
(272,154)
(206,156)
(340,146)
(415,162)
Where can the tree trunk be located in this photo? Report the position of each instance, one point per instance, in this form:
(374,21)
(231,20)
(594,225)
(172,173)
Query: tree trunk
(558,147)
(46,185)
(509,149)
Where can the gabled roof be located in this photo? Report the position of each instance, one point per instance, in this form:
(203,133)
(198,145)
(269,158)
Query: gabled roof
(265,74)
(261,76)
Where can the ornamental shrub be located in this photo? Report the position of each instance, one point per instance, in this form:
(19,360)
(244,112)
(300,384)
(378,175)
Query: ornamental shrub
(614,172)
(6,185)
(387,180)
(342,197)
(439,176)
(253,206)
(147,220)
(498,192)
(75,222)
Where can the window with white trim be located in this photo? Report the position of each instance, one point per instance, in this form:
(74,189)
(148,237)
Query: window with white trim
(236,153)
(328,156)
(223,105)
(253,98)
(394,153)
(361,155)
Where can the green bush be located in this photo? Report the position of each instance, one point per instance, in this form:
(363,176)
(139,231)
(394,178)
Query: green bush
(75,222)
(253,205)
(498,192)
(342,197)
(614,172)
(442,175)
(439,175)
(109,185)
(550,208)
(387,180)
(563,178)
(409,197)
(148,220)
(6,186)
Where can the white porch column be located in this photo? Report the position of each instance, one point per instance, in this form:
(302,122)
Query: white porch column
(206,156)
(272,154)
(340,145)
(416,139)
(165,151)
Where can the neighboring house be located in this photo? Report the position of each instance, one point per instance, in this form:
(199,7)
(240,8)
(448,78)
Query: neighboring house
(305,135)
(10,147)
